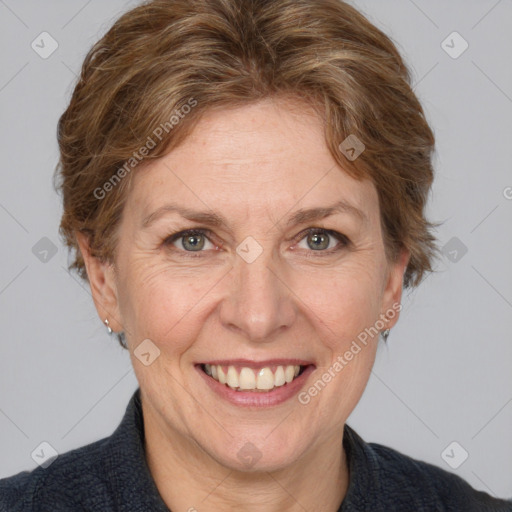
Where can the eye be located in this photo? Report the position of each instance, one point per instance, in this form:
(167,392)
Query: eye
(322,240)
(190,240)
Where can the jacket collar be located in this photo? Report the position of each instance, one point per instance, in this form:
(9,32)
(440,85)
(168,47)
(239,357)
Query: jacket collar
(133,487)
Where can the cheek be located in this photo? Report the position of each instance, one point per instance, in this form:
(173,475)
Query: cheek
(345,301)
(162,304)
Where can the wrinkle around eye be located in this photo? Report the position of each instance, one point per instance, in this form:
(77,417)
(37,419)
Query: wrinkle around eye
(342,239)
(172,241)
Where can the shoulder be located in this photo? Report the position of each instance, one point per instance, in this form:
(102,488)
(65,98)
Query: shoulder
(16,492)
(61,483)
(109,474)
(390,480)
(432,486)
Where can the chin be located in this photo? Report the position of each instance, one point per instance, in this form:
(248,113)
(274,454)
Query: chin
(258,455)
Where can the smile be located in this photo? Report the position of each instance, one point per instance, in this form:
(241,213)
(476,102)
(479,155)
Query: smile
(262,379)
(256,384)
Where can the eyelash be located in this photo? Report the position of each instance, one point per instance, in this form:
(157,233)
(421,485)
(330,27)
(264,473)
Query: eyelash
(344,241)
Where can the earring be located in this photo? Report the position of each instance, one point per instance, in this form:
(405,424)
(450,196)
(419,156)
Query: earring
(109,329)
(385,334)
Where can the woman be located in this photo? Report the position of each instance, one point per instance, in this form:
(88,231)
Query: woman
(244,185)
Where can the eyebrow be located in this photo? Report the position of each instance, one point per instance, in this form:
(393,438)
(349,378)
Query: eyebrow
(216,219)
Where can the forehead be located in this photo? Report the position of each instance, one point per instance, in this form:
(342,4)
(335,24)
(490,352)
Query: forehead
(270,155)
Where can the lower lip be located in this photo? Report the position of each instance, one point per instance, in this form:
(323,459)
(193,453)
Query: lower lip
(254,398)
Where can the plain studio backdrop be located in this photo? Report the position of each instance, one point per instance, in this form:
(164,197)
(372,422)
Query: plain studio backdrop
(441,391)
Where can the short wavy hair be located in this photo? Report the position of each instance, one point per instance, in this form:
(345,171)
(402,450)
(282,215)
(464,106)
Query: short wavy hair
(167,58)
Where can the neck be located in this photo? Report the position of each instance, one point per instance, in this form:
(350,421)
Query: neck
(189,479)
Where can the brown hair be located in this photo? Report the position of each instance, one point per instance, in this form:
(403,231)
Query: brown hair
(164,63)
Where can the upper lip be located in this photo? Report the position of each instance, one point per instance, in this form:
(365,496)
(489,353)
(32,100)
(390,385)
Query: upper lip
(258,364)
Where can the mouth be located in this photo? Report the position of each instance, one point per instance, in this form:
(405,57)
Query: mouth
(255,377)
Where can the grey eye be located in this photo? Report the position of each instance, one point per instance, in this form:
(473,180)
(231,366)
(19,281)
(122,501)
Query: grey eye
(193,242)
(318,241)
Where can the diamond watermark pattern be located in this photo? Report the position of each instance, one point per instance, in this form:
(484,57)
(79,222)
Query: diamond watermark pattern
(44,454)
(146,352)
(454,45)
(454,455)
(44,250)
(249,250)
(454,249)
(249,454)
(352,148)
(44,45)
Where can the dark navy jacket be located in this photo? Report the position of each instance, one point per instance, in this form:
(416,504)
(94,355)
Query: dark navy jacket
(112,475)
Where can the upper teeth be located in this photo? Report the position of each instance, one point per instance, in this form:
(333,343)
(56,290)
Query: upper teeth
(247,378)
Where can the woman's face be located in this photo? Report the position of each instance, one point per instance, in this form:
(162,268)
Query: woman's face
(251,284)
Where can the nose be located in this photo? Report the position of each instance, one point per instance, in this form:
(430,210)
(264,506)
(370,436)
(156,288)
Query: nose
(258,304)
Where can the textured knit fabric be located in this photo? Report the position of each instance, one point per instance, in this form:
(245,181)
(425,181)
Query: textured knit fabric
(112,475)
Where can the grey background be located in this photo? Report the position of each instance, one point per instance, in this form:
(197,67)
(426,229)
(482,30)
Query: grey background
(446,375)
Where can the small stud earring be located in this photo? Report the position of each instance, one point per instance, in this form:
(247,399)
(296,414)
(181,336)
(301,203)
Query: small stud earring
(109,329)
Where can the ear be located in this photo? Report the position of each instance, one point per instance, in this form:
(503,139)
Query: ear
(103,285)
(393,288)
